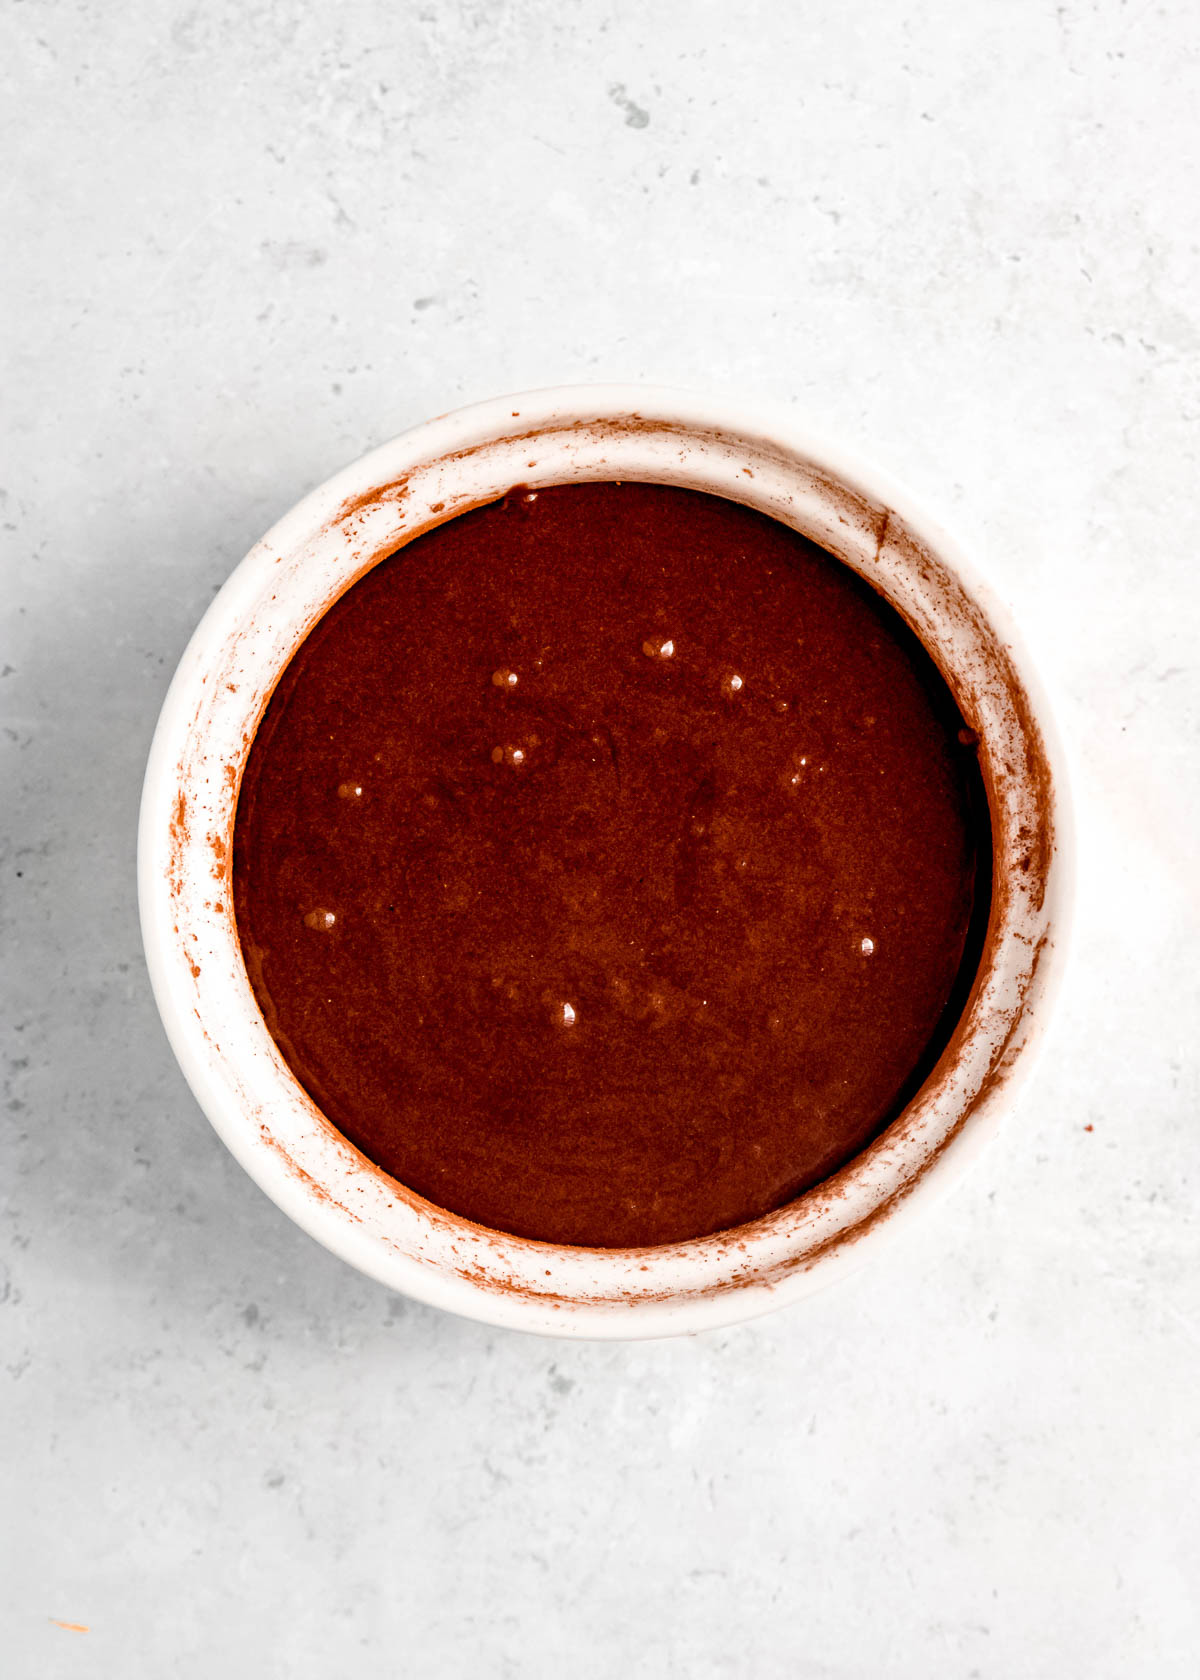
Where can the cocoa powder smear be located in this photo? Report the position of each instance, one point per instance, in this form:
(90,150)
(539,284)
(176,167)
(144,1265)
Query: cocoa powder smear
(611,864)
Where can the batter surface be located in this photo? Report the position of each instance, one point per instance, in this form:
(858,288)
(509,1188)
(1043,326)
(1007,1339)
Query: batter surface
(610,864)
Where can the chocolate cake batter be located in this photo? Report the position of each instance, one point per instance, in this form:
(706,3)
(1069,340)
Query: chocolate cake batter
(611,864)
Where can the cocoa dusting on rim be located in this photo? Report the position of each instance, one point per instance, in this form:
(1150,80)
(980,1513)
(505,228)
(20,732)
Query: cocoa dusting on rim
(1025,857)
(179,836)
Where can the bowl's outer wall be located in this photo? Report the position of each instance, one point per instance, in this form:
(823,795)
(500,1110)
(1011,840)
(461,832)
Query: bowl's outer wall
(223,683)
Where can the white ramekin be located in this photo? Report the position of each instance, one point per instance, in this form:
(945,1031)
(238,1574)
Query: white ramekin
(753,455)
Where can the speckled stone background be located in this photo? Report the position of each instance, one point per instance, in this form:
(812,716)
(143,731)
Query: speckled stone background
(247,241)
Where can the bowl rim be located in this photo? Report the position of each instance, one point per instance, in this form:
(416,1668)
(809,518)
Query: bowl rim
(338,532)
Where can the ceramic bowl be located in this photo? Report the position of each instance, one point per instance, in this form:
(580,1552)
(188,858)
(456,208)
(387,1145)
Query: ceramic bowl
(270,603)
